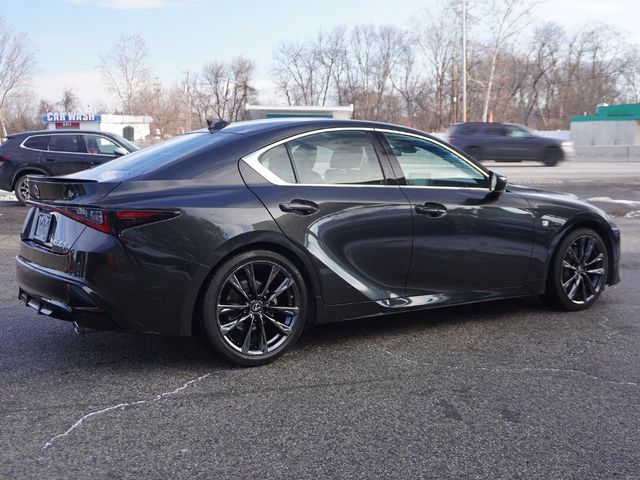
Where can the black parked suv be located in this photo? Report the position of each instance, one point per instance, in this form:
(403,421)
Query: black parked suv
(51,153)
(508,142)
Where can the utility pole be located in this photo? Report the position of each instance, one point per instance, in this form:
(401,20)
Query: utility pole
(190,109)
(464,60)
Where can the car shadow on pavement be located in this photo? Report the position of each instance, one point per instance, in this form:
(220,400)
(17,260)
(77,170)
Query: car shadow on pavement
(61,349)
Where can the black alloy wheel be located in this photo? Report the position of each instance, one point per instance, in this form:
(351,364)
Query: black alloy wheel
(255,308)
(21,189)
(579,271)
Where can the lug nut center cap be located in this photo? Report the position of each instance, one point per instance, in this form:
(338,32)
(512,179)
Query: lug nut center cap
(255,306)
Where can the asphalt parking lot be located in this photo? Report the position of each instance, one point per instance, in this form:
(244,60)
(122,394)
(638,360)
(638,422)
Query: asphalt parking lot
(506,389)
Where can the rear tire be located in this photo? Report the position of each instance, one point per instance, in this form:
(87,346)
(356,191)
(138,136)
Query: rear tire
(551,156)
(578,271)
(255,308)
(21,189)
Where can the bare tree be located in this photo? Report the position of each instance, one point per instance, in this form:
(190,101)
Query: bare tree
(126,72)
(17,64)
(69,101)
(223,90)
(505,19)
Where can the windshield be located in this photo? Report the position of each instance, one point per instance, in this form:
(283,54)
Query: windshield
(132,147)
(151,158)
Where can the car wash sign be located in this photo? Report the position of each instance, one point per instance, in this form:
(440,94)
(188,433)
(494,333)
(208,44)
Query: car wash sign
(69,120)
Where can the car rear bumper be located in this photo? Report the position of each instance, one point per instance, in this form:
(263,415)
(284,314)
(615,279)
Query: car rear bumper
(61,296)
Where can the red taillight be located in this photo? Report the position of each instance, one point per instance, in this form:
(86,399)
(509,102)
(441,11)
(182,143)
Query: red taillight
(92,217)
(5,157)
(114,221)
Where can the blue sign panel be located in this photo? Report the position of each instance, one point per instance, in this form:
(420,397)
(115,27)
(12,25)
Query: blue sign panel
(70,117)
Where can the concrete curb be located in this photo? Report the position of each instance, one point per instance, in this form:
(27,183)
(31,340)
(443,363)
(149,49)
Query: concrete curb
(609,153)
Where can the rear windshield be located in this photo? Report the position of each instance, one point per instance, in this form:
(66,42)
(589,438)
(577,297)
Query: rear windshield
(152,158)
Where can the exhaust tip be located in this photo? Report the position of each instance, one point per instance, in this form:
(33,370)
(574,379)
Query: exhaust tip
(80,330)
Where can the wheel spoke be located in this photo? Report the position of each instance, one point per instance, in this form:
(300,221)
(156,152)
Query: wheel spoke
(589,284)
(251,276)
(227,327)
(247,338)
(574,288)
(596,271)
(233,280)
(566,264)
(589,250)
(284,329)
(230,308)
(583,288)
(571,252)
(598,258)
(267,284)
(264,345)
(566,284)
(284,286)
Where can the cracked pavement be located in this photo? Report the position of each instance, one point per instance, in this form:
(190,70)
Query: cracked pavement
(506,389)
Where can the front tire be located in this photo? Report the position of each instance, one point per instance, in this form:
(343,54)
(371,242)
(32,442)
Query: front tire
(255,308)
(551,156)
(578,271)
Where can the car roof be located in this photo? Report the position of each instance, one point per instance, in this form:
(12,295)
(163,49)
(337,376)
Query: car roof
(287,124)
(58,132)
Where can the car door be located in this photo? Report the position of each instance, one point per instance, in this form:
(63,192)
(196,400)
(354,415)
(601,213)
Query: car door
(517,143)
(331,195)
(67,153)
(468,242)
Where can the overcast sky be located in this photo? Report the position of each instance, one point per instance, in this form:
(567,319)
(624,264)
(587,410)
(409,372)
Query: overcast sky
(69,35)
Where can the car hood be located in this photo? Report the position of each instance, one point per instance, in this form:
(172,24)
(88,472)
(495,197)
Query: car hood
(545,200)
(524,190)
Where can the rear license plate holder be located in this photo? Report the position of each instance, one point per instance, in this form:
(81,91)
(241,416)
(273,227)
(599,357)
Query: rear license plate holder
(42,227)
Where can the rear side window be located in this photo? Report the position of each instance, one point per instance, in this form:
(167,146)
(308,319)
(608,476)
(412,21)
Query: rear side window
(345,157)
(277,162)
(37,143)
(67,143)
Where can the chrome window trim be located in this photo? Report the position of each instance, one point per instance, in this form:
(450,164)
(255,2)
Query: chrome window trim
(253,160)
(70,153)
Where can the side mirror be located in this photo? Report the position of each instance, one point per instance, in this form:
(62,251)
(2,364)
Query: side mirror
(120,151)
(498,182)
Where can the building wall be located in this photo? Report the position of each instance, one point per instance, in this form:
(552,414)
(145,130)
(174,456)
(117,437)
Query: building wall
(114,124)
(606,132)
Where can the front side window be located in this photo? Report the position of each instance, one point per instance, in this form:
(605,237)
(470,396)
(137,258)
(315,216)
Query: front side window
(67,143)
(427,164)
(517,132)
(343,157)
(99,145)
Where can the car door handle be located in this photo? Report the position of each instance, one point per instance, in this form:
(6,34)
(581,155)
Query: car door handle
(50,159)
(431,210)
(301,207)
